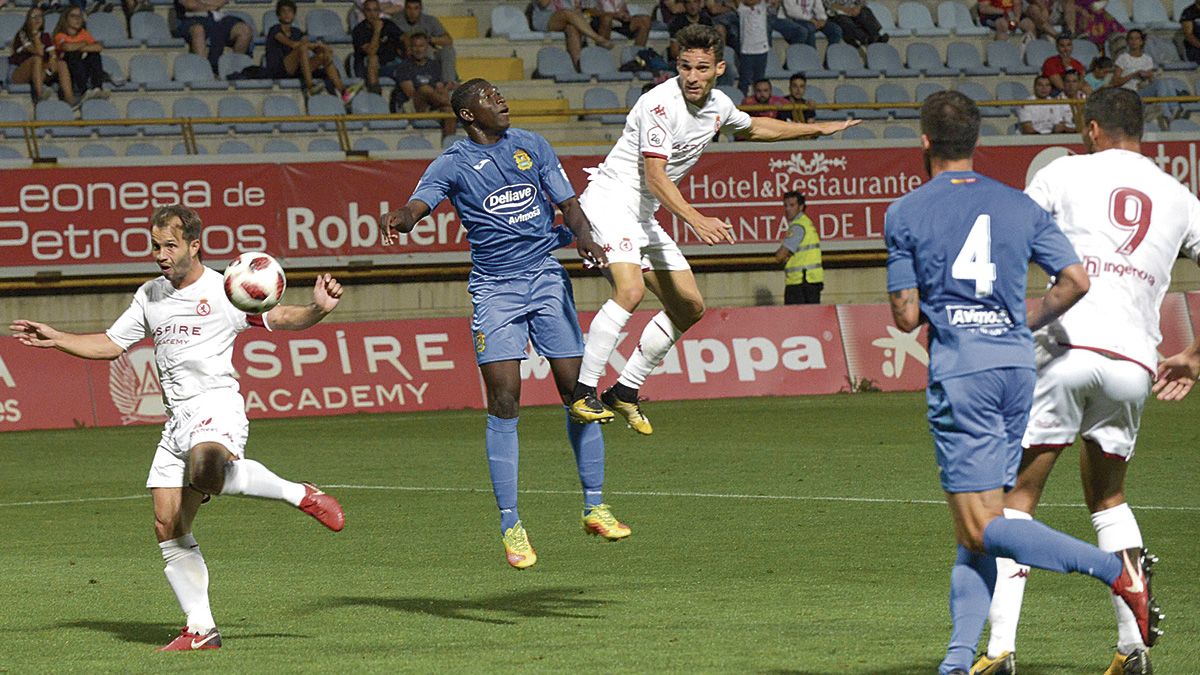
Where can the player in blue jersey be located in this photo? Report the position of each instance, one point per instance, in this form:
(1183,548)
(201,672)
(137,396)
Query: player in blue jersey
(958,254)
(504,183)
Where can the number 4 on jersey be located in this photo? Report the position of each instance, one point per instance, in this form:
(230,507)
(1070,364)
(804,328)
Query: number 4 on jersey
(974,261)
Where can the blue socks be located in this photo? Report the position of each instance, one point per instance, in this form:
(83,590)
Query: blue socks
(971,584)
(502,452)
(588,444)
(1037,545)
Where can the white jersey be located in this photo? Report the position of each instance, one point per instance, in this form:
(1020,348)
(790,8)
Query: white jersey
(193,330)
(663,124)
(1127,220)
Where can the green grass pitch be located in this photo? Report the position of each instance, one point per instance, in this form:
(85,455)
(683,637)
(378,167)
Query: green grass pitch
(802,535)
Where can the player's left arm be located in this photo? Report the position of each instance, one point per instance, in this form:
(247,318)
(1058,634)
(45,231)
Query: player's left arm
(906,308)
(765,129)
(1177,374)
(327,292)
(576,221)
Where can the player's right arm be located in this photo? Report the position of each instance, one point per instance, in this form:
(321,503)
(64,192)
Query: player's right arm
(402,220)
(711,230)
(1070,285)
(83,345)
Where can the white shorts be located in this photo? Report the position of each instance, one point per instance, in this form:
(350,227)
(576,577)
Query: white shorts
(214,417)
(625,236)
(1086,393)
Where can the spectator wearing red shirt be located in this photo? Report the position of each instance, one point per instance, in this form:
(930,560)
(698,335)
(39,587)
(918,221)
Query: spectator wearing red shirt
(763,94)
(1056,65)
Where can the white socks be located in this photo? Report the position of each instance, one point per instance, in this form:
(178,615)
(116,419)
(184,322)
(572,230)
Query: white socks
(1117,530)
(657,339)
(601,341)
(252,479)
(1005,612)
(188,576)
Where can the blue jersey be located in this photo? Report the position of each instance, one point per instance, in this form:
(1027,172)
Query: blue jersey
(964,241)
(504,194)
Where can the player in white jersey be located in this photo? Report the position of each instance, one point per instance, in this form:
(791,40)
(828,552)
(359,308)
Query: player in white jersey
(664,134)
(202,450)
(1127,220)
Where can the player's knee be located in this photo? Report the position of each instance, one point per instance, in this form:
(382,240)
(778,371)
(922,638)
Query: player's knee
(504,407)
(207,470)
(629,297)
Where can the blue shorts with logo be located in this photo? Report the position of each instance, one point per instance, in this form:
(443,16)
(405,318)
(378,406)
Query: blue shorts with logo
(977,422)
(510,312)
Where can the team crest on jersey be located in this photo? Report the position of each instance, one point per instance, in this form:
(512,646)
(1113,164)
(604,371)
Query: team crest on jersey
(203,309)
(625,244)
(134,387)
(524,162)
(480,342)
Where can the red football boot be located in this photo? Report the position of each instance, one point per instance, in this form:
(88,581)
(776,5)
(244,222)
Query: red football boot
(323,507)
(187,642)
(1133,586)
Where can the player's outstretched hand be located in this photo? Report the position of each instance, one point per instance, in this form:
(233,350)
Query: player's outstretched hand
(389,227)
(592,253)
(1176,375)
(34,334)
(327,291)
(830,128)
(712,230)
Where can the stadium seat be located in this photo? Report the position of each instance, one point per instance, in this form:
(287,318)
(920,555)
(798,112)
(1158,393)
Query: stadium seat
(195,71)
(884,58)
(55,110)
(10,23)
(193,107)
(899,131)
(324,145)
(924,89)
(96,150)
(731,72)
(369,144)
(1011,91)
(47,150)
(11,111)
(142,149)
(237,106)
(729,90)
(915,17)
(553,62)
(634,92)
(598,62)
(1165,55)
(852,93)
(1120,11)
(451,140)
(887,22)
(816,95)
(510,21)
(1037,51)
(924,57)
(1006,56)
(859,133)
(986,129)
(977,92)
(1084,51)
(775,69)
(1184,125)
(964,57)
(10,153)
(280,106)
(181,149)
(151,30)
(325,104)
(147,108)
(802,58)
(957,18)
(368,103)
(113,68)
(889,92)
(232,62)
(232,147)
(599,97)
(150,71)
(101,109)
(268,19)
(109,30)
(844,59)
(3,70)
(279,145)
(414,142)
(1152,14)
(326,25)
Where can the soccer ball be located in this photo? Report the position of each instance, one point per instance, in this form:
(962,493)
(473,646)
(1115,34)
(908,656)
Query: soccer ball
(254,282)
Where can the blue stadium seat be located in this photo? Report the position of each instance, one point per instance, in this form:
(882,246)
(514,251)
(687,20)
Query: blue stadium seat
(599,97)
(324,145)
(369,103)
(1184,125)
(889,92)
(279,106)
(181,149)
(414,142)
(269,19)
(883,57)
(151,30)
(729,90)
(924,89)
(232,62)
(986,129)
(957,18)
(55,110)
(1084,51)
(844,59)
(1006,56)
(915,17)
(97,150)
(11,111)
(1165,55)
(232,147)
(1152,14)
(369,144)
(553,62)
(977,92)
(101,109)
(191,106)
(598,62)
(899,131)
(326,25)
(10,153)
(110,30)
(279,145)
(634,92)
(324,104)
(10,23)
(924,57)
(150,71)
(1037,51)
(114,70)
(731,72)
(3,70)
(775,69)
(451,140)
(142,149)
(1011,91)
(195,71)
(510,21)
(859,133)
(236,106)
(55,151)
(802,58)
(965,58)
(852,93)
(148,108)
(887,22)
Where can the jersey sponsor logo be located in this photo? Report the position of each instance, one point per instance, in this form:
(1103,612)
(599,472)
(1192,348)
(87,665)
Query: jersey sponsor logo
(656,137)
(134,387)
(203,309)
(510,199)
(483,162)
(659,110)
(524,161)
(989,320)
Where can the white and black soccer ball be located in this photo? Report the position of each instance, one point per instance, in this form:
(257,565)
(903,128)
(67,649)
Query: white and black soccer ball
(254,282)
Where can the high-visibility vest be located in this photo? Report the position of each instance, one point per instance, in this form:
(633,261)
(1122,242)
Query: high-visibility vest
(805,263)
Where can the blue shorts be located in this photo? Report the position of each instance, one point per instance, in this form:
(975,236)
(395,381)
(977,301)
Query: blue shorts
(511,312)
(977,422)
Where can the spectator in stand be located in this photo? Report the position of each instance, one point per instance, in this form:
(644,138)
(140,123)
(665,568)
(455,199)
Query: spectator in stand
(209,30)
(1056,65)
(606,13)
(564,15)
(290,54)
(797,88)
(35,61)
(389,8)
(1073,90)
(378,44)
(764,94)
(419,79)
(1044,119)
(800,20)
(1004,17)
(1189,18)
(132,7)
(1135,71)
(858,23)
(81,52)
(1047,16)
(754,42)
(726,21)
(1100,73)
(414,20)
(693,12)
(1089,19)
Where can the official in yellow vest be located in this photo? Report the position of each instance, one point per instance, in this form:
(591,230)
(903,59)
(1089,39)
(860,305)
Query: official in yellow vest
(800,253)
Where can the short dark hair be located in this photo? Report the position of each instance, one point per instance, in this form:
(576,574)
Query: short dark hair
(465,94)
(762,79)
(797,76)
(189,220)
(1063,36)
(794,194)
(951,122)
(1116,110)
(284,3)
(1070,71)
(699,36)
(1100,62)
(419,34)
(1139,31)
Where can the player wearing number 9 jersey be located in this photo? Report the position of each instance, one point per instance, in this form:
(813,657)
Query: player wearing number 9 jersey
(1127,219)
(958,254)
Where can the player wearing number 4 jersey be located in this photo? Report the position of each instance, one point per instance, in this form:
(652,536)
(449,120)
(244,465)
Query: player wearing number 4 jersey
(1127,220)
(958,253)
